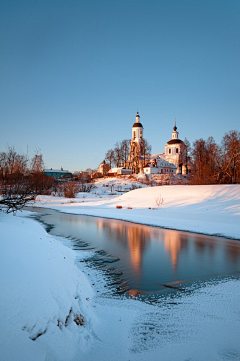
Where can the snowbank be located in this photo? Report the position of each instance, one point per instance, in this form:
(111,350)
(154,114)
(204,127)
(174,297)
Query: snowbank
(209,209)
(42,292)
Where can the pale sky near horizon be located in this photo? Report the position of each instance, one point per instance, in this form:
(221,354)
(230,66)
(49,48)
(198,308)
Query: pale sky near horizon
(73,74)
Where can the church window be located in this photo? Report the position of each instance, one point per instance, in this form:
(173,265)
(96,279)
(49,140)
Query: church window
(176,150)
(169,151)
(134,135)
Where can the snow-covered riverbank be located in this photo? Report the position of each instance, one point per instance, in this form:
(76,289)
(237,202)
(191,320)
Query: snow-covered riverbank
(42,293)
(211,209)
(44,287)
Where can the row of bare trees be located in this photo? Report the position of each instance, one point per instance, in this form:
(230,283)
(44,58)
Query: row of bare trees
(21,179)
(213,163)
(138,155)
(119,155)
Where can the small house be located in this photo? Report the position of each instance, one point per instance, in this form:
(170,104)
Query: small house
(58,173)
(160,166)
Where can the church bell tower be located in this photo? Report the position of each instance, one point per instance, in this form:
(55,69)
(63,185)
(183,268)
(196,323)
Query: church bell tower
(137,130)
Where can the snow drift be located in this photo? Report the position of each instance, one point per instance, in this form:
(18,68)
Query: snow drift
(42,293)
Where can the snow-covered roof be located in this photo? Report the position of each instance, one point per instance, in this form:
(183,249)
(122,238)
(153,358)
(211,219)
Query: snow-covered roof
(155,156)
(114,170)
(164,163)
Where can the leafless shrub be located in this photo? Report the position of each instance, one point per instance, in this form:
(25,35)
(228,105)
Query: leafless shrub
(159,200)
(79,320)
(135,186)
(86,187)
(70,189)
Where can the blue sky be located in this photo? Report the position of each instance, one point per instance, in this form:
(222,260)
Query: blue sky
(73,74)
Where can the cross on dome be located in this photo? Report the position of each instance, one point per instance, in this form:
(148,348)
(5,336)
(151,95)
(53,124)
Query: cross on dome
(175,127)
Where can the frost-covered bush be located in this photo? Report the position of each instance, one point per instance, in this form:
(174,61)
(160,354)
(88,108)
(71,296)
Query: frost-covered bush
(70,189)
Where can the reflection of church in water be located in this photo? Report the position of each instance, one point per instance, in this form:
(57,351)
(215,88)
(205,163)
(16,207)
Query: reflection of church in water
(137,238)
(172,161)
(173,244)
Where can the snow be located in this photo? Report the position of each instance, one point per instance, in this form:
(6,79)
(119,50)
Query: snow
(42,280)
(40,284)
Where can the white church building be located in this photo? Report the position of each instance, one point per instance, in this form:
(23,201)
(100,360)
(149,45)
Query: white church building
(172,161)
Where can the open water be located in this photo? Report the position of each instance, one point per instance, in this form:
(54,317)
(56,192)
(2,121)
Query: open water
(143,259)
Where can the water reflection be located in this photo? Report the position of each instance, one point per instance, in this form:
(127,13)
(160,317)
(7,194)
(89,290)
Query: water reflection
(137,237)
(150,256)
(233,252)
(173,244)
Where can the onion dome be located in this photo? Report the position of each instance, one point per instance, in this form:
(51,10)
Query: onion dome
(175,141)
(137,125)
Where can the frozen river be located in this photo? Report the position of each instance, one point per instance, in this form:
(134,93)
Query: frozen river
(144,259)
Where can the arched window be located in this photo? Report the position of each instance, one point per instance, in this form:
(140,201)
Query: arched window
(134,135)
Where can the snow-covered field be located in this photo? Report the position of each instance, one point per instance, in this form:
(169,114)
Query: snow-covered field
(46,291)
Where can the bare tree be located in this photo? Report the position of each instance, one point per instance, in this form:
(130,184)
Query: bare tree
(109,157)
(135,157)
(16,187)
(231,156)
(125,151)
(188,152)
(18,184)
(89,171)
(37,164)
(199,154)
(145,149)
(118,155)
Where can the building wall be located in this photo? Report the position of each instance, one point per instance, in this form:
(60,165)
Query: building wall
(177,155)
(159,170)
(58,174)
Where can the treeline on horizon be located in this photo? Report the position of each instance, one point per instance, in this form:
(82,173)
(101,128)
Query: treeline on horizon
(210,163)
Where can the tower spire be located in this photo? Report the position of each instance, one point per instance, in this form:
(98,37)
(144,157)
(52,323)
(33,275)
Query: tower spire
(175,127)
(137,117)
